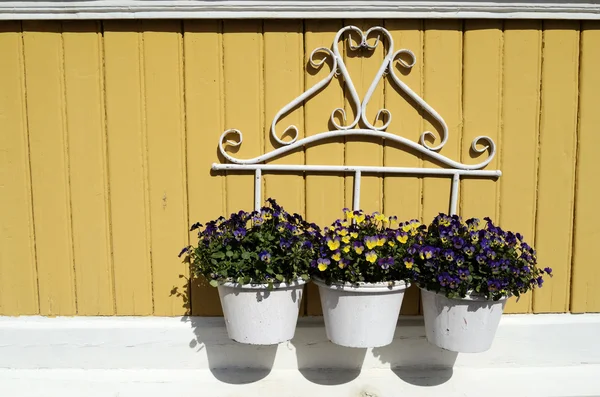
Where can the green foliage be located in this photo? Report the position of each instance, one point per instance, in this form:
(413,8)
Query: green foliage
(260,247)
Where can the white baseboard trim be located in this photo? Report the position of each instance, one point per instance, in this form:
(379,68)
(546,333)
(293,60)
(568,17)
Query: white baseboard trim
(243,9)
(533,355)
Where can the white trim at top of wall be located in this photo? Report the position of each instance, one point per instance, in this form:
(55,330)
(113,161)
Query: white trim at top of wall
(244,9)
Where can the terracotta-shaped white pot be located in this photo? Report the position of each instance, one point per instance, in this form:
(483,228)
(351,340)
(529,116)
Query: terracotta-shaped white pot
(464,325)
(363,315)
(258,316)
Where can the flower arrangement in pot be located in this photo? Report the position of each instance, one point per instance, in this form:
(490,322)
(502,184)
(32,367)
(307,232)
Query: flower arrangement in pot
(466,274)
(259,261)
(361,272)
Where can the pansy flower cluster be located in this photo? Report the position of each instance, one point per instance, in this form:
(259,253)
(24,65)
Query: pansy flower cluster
(457,258)
(366,248)
(266,246)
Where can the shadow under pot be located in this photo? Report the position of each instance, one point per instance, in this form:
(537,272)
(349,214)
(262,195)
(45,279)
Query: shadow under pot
(464,325)
(361,315)
(257,315)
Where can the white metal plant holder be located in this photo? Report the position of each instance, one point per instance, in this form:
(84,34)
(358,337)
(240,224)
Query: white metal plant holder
(455,169)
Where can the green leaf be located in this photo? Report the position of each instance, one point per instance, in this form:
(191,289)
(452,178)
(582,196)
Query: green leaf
(269,270)
(218,255)
(279,277)
(305,277)
(229,253)
(214,283)
(245,255)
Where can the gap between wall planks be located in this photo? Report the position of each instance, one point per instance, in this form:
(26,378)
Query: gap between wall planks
(109,129)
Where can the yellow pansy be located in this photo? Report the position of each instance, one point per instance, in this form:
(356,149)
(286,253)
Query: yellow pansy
(342,232)
(408,263)
(381,241)
(402,238)
(360,218)
(336,256)
(349,215)
(354,235)
(346,239)
(346,248)
(322,264)
(333,244)
(406,228)
(378,217)
(371,256)
(371,242)
(391,243)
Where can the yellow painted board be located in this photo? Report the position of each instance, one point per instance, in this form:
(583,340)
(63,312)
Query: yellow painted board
(324,193)
(362,65)
(44,76)
(203,65)
(284,71)
(402,193)
(244,96)
(482,93)
(18,276)
(585,296)
(127,151)
(520,133)
(442,89)
(163,73)
(84,90)
(557,162)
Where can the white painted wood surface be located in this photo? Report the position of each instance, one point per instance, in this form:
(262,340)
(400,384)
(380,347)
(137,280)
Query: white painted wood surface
(533,355)
(212,9)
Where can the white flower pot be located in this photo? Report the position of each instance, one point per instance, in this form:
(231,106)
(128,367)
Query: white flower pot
(464,325)
(363,315)
(258,316)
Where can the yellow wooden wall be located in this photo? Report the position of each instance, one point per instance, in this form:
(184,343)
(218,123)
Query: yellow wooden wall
(108,131)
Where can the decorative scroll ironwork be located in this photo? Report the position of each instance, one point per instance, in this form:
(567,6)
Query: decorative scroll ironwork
(480,144)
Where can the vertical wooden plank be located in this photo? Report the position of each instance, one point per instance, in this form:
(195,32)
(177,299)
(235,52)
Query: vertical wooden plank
(520,132)
(585,295)
(324,193)
(243,64)
(203,50)
(18,276)
(362,65)
(163,72)
(402,194)
(49,166)
(125,123)
(284,80)
(557,162)
(482,93)
(443,91)
(84,89)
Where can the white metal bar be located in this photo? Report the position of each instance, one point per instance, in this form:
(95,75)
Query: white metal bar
(352,168)
(480,140)
(257,188)
(454,193)
(356,198)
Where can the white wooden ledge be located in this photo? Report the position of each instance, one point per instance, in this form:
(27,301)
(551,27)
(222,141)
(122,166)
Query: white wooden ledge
(533,355)
(223,9)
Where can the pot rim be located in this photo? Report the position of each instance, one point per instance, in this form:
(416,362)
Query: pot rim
(471,296)
(276,285)
(384,286)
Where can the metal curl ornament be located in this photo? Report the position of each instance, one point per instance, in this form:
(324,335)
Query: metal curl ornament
(406,59)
